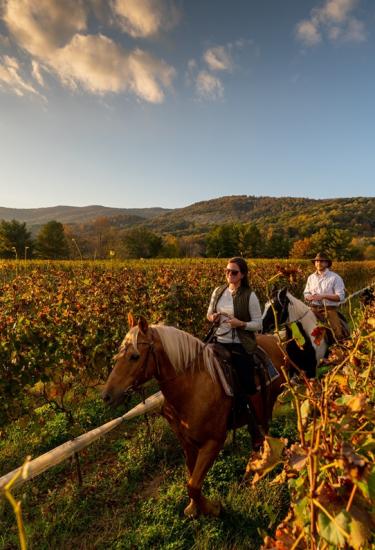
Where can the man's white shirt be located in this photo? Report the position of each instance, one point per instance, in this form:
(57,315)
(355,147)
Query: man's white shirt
(327,282)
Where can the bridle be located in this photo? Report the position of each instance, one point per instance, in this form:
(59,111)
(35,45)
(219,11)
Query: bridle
(284,310)
(150,351)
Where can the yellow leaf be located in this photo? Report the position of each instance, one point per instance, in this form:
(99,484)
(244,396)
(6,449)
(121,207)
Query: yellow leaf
(357,403)
(270,457)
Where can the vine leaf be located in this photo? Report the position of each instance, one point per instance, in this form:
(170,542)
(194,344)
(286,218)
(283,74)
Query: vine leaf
(360,530)
(305,411)
(297,335)
(271,456)
(333,530)
(297,457)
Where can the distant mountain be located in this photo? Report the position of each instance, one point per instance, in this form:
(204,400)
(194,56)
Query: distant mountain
(74,214)
(298,216)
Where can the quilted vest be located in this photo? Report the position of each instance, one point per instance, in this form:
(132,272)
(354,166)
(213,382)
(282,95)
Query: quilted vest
(241,311)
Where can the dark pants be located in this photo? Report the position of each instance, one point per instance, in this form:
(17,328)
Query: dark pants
(244,367)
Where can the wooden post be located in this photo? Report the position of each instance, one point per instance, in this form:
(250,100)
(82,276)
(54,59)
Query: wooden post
(72,447)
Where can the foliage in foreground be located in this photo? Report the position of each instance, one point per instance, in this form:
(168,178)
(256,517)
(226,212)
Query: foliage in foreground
(134,490)
(62,322)
(331,470)
(59,326)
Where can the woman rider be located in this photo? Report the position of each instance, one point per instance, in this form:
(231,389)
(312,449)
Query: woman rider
(236,310)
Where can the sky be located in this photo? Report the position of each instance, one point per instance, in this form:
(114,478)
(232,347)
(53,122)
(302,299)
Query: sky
(144,103)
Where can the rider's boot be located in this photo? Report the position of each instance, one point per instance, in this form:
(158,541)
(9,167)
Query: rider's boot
(256,429)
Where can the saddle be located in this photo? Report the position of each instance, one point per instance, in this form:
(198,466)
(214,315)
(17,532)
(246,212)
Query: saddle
(264,373)
(328,334)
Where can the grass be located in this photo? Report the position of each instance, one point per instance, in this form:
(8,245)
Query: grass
(134,489)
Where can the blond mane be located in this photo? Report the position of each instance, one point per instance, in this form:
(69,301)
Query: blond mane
(183,350)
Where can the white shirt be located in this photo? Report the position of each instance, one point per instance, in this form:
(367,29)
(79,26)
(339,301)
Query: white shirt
(225,306)
(326,283)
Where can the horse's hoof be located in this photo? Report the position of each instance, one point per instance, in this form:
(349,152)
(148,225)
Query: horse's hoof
(191,511)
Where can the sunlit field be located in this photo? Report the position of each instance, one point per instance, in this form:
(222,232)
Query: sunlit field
(61,324)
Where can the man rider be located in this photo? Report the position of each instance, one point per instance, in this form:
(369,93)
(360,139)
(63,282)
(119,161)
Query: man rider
(324,291)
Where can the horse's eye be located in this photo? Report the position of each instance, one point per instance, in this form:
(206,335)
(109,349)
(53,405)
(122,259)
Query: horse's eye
(134,357)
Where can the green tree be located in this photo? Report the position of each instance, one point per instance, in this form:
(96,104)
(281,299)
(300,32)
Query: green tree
(277,245)
(223,241)
(335,242)
(251,242)
(140,242)
(15,240)
(51,242)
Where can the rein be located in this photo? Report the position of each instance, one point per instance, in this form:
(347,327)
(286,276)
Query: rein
(151,349)
(285,306)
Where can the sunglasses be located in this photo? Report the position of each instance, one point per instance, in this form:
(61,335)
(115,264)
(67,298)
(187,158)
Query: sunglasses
(232,271)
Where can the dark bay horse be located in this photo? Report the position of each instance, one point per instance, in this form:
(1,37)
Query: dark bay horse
(196,405)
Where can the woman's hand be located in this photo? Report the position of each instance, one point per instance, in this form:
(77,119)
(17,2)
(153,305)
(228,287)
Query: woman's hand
(214,318)
(236,323)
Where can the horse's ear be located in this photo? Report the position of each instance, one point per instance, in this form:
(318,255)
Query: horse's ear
(132,322)
(142,324)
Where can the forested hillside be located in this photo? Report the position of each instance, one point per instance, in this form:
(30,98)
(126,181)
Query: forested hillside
(257,227)
(298,216)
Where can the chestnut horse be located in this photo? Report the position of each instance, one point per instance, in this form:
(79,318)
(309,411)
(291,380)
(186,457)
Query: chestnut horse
(195,405)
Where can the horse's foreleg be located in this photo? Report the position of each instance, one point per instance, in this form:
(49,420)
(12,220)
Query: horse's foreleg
(206,456)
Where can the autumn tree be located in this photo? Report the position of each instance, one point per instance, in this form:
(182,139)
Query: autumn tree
(301,249)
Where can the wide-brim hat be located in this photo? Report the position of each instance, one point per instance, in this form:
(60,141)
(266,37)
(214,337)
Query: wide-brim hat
(323,257)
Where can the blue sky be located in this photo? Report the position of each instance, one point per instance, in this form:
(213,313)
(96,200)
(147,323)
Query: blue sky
(140,103)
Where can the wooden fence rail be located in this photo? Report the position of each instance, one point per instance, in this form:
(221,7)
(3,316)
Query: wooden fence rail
(64,451)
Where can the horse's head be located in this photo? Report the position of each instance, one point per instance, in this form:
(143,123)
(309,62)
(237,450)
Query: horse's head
(134,364)
(276,307)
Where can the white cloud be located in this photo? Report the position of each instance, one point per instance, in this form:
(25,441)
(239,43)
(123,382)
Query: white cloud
(42,26)
(355,31)
(11,78)
(218,58)
(50,30)
(36,72)
(215,59)
(148,76)
(145,18)
(308,32)
(209,86)
(100,66)
(333,19)
(336,11)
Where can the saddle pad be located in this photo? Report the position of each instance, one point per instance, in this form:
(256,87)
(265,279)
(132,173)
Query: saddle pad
(223,373)
(266,361)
